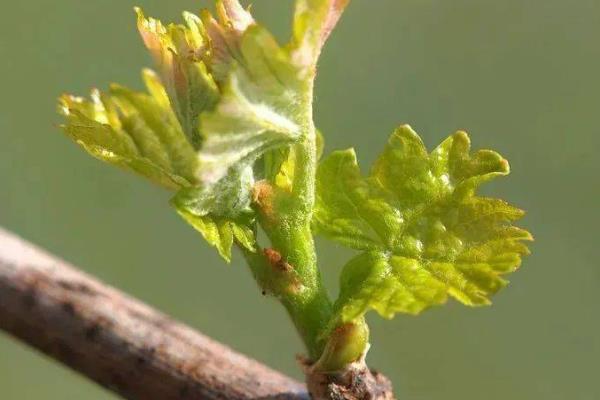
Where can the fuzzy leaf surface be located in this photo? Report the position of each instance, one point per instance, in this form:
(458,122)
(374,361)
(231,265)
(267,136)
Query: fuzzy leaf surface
(227,95)
(196,206)
(258,110)
(234,89)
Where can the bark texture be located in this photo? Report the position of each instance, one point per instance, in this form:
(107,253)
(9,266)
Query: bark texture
(356,382)
(116,340)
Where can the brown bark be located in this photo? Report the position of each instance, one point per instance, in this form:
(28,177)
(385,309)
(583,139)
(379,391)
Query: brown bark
(356,382)
(117,341)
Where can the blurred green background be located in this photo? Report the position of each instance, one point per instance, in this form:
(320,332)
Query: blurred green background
(521,76)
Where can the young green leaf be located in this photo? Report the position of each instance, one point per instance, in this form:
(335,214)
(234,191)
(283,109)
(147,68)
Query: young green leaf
(235,91)
(314,21)
(258,110)
(231,96)
(179,52)
(134,130)
(196,207)
(423,232)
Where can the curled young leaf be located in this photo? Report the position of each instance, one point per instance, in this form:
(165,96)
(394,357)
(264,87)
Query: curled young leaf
(180,54)
(233,87)
(134,130)
(231,96)
(314,20)
(257,111)
(219,231)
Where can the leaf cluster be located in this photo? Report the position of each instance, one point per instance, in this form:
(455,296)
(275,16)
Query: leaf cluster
(227,120)
(226,95)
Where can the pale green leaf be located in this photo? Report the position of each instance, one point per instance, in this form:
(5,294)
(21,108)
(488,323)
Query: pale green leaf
(234,87)
(257,113)
(343,203)
(134,130)
(197,207)
(424,232)
(179,52)
(227,198)
(388,284)
(231,96)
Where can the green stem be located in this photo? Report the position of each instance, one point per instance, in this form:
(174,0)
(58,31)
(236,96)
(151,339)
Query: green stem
(306,170)
(289,269)
(301,292)
(311,308)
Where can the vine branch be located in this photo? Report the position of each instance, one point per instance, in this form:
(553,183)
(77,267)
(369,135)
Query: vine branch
(117,341)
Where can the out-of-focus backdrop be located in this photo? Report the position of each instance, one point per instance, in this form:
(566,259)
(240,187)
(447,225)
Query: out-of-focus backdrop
(523,77)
